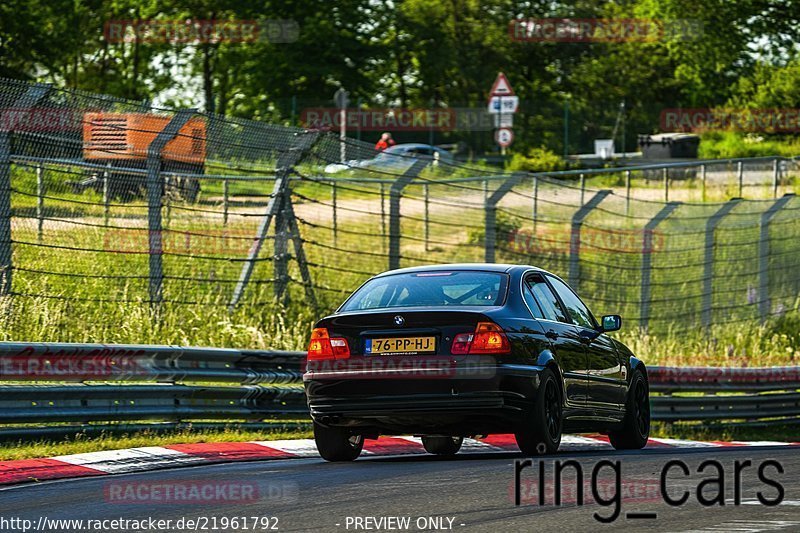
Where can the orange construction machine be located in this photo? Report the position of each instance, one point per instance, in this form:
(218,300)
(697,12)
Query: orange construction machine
(120,141)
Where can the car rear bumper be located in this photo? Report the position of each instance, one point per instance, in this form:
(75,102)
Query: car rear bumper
(457,405)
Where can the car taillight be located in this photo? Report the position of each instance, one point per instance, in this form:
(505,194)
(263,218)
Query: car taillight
(322,346)
(488,338)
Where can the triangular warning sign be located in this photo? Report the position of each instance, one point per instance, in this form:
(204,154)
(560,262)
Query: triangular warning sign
(501,86)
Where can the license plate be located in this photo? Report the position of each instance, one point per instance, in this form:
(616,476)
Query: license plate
(400,345)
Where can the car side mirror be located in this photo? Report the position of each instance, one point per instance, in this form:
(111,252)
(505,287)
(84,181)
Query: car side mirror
(611,323)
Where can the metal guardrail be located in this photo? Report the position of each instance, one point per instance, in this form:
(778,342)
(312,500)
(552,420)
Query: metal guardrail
(47,383)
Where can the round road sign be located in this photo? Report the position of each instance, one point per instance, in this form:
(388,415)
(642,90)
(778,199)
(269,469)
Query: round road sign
(504,136)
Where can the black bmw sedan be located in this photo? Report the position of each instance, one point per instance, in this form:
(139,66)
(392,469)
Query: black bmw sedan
(451,351)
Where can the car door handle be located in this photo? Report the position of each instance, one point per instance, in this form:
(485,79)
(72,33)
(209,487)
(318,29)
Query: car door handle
(551,334)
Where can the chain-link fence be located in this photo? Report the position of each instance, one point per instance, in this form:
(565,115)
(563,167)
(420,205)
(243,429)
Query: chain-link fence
(116,206)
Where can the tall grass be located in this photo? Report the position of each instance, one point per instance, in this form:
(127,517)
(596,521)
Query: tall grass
(100,293)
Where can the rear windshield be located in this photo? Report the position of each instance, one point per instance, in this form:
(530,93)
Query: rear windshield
(421,289)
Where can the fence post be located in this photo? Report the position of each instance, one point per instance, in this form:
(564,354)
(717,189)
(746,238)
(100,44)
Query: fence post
(583,188)
(627,192)
(647,250)
(167,201)
(665,170)
(32,96)
(40,200)
(106,198)
(427,232)
(395,192)
(299,253)
(334,223)
(703,179)
(280,255)
(708,263)
(740,176)
(775,177)
(490,218)
(763,254)
(225,200)
(5,212)
(383,217)
(285,166)
(535,203)
(155,191)
(575,236)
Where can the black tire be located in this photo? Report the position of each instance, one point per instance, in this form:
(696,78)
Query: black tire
(337,444)
(442,445)
(541,432)
(636,425)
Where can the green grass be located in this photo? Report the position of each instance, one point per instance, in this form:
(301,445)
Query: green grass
(726,432)
(204,261)
(80,443)
(732,144)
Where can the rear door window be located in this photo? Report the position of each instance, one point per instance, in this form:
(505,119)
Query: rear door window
(545,300)
(577,310)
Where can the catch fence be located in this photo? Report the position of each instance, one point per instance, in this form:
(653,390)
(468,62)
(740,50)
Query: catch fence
(114,205)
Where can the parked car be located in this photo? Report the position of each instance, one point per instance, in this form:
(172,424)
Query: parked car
(451,351)
(395,159)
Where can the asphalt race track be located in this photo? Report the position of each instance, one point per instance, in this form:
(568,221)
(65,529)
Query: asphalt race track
(471,492)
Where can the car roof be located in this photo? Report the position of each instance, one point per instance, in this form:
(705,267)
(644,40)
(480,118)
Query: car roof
(409,146)
(485,267)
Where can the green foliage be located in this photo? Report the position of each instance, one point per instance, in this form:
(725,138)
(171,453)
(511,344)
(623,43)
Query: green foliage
(420,53)
(536,160)
(732,144)
(505,224)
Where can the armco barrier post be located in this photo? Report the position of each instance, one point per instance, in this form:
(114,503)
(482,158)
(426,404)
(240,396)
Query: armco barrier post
(575,236)
(32,96)
(763,254)
(490,210)
(708,262)
(155,188)
(395,193)
(647,250)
